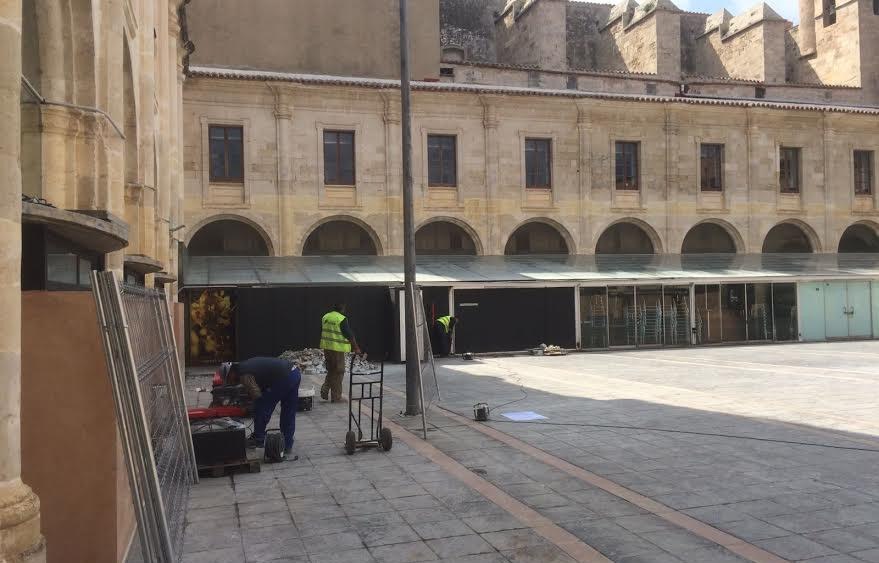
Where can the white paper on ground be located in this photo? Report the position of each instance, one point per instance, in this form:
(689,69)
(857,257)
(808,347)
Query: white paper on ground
(527,415)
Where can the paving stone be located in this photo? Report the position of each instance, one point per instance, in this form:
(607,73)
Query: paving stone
(483,524)
(752,529)
(676,541)
(364,508)
(210,538)
(469,509)
(346,556)
(317,512)
(479,558)
(852,515)
(538,554)
(513,539)
(403,553)
(551,500)
(795,547)
(623,545)
(384,535)
(802,523)
(249,508)
(333,542)
(834,559)
(422,515)
(309,527)
(272,550)
(203,514)
(650,557)
(714,554)
(414,502)
(570,513)
(225,555)
(460,545)
(403,491)
(267,519)
(845,540)
(645,523)
(350,497)
(269,533)
(715,514)
(445,529)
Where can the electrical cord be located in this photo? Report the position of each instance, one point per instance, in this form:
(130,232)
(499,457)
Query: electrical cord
(670,431)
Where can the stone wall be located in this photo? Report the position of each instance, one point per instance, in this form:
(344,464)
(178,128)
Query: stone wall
(470,24)
(490,198)
(315,36)
(838,58)
(531,32)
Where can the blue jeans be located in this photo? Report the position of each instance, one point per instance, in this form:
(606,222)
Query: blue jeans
(285,392)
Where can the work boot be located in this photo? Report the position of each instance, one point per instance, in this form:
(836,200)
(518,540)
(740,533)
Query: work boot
(288,455)
(324,392)
(255,443)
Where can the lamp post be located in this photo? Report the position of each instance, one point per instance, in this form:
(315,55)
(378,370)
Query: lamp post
(413,371)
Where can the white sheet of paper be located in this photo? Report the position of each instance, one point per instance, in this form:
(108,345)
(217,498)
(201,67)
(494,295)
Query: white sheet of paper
(527,415)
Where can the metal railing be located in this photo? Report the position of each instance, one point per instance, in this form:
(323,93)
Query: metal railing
(144,371)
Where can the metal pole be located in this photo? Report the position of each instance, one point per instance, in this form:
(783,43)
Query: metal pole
(413,371)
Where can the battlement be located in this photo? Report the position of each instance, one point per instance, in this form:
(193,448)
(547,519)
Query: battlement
(655,37)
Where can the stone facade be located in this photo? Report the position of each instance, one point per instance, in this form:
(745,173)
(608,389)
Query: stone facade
(490,200)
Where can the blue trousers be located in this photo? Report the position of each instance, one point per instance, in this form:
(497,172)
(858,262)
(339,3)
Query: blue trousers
(285,392)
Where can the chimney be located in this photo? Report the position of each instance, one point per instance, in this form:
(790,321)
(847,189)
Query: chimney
(806,33)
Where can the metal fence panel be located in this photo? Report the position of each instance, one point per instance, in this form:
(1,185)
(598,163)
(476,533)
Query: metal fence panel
(144,370)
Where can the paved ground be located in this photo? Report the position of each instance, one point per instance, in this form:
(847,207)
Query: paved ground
(642,458)
(605,413)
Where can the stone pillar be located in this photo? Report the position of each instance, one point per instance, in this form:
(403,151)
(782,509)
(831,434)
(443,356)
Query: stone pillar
(584,175)
(806,33)
(393,172)
(86,162)
(20,537)
(284,127)
(147,109)
(163,184)
(490,121)
(59,127)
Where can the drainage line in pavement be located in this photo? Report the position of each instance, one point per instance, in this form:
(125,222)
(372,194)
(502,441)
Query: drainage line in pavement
(670,431)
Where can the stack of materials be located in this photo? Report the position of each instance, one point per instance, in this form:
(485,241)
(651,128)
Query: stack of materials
(311,361)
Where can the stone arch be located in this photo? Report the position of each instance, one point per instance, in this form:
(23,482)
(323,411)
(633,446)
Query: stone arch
(862,236)
(538,226)
(708,237)
(257,228)
(638,238)
(791,236)
(322,226)
(461,225)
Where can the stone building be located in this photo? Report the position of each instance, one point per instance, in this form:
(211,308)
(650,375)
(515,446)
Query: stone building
(540,127)
(91,99)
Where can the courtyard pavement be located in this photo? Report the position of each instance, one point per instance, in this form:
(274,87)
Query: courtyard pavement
(760,453)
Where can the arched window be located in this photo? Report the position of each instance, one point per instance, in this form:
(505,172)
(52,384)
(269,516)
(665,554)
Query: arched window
(708,238)
(859,238)
(443,238)
(339,238)
(624,238)
(227,237)
(787,238)
(536,238)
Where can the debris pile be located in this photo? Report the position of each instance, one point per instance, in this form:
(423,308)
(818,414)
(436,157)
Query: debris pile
(311,361)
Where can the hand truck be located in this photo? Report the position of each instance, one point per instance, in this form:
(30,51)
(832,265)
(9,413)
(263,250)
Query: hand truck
(365,391)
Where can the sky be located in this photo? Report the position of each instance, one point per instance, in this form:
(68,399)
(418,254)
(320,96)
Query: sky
(787,8)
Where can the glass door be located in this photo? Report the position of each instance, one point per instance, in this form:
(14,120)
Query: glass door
(708,314)
(859,319)
(734,315)
(593,317)
(759,300)
(622,316)
(649,315)
(676,315)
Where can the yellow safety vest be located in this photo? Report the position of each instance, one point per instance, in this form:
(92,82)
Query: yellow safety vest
(331,337)
(445,322)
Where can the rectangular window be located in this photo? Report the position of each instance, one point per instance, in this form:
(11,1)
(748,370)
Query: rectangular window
(789,170)
(627,165)
(442,165)
(339,158)
(227,153)
(829,12)
(863,172)
(538,163)
(711,168)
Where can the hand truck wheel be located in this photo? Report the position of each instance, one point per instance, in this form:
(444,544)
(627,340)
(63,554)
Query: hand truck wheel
(385,439)
(274,447)
(350,442)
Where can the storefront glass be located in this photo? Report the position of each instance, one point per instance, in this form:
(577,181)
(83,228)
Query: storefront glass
(593,317)
(708,314)
(734,313)
(759,300)
(676,315)
(649,315)
(784,311)
(622,316)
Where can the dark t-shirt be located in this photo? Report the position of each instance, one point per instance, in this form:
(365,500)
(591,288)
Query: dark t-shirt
(265,370)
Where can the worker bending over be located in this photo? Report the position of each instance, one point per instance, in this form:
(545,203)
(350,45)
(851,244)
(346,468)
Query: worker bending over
(444,327)
(336,339)
(269,381)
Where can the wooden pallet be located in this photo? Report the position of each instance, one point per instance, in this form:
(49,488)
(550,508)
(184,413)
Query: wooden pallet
(223,469)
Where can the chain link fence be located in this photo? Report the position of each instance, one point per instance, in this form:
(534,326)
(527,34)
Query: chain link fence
(147,384)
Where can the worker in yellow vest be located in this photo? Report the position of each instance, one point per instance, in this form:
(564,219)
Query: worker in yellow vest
(444,328)
(336,339)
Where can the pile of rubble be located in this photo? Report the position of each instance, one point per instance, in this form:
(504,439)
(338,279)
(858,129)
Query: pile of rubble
(311,361)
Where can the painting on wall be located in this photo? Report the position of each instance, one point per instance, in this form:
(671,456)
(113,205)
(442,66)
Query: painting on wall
(211,327)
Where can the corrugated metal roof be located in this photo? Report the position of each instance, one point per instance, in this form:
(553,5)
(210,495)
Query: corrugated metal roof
(222,271)
(454,87)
